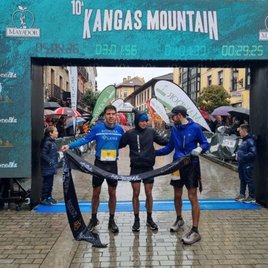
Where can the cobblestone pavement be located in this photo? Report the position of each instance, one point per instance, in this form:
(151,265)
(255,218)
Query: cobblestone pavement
(230,238)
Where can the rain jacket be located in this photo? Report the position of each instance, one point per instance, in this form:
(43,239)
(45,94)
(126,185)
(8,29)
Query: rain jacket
(141,144)
(49,157)
(246,151)
(184,138)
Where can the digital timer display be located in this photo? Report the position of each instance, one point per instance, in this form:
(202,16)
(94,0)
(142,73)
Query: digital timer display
(242,50)
(113,50)
(185,51)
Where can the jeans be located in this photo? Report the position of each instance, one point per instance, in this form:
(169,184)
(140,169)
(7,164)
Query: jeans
(245,176)
(47,186)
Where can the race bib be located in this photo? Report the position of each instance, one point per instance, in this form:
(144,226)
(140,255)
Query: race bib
(175,176)
(108,155)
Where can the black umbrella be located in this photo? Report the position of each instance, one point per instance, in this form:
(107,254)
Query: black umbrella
(51,105)
(240,113)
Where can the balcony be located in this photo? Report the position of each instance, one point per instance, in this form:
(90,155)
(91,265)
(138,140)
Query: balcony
(83,72)
(54,92)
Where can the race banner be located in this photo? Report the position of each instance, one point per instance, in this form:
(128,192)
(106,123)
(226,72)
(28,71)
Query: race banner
(105,97)
(159,109)
(79,163)
(171,95)
(75,218)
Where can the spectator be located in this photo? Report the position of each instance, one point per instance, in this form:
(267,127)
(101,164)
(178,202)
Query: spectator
(245,155)
(60,125)
(49,164)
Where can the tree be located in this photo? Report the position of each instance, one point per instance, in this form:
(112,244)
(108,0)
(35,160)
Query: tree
(89,99)
(212,97)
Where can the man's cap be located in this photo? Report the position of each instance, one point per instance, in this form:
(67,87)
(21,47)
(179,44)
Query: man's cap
(143,117)
(178,110)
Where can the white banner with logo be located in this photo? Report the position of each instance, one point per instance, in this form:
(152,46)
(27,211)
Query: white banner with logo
(159,109)
(122,106)
(171,95)
(73,86)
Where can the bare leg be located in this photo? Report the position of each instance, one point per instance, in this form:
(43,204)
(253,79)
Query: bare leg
(96,199)
(148,187)
(112,199)
(192,194)
(178,200)
(135,197)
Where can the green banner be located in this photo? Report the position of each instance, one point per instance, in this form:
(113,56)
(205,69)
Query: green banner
(105,98)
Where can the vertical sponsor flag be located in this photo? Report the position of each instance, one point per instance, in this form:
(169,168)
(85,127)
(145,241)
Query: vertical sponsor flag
(106,97)
(171,95)
(159,109)
(73,86)
(73,89)
(151,111)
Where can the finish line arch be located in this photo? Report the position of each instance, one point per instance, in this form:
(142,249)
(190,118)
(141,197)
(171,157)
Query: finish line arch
(120,33)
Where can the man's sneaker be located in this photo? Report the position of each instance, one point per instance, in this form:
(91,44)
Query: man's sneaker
(45,202)
(136,226)
(52,200)
(240,198)
(176,225)
(113,227)
(150,223)
(249,200)
(92,224)
(191,237)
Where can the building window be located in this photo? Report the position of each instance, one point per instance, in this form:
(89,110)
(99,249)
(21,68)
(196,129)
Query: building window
(247,85)
(209,80)
(234,79)
(220,78)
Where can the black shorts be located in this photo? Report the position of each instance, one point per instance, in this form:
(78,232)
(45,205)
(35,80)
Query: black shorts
(138,170)
(190,175)
(110,166)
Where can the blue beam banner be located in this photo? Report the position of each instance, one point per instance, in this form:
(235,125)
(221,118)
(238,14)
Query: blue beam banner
(191,30)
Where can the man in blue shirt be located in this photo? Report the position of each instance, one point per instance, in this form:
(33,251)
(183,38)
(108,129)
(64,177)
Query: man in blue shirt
(107,136)
(186,138)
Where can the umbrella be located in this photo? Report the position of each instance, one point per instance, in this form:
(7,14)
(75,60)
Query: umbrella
(67,111)
(79,121)
(51,105)
(50,113)
(239,112)
(222,110)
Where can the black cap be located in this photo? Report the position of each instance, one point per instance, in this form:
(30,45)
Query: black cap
(178,110)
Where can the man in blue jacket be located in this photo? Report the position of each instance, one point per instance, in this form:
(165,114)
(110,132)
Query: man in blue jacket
(186,138)
(245,156)
(107,136)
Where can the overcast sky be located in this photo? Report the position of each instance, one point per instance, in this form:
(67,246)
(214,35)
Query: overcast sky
(114,75)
